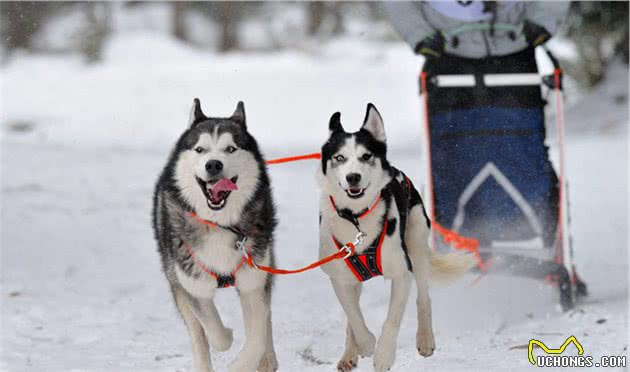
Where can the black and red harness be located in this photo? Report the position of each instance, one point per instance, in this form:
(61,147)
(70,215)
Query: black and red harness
(367,264)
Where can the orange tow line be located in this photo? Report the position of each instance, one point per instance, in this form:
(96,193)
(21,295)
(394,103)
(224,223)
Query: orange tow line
(345,251)
(460,242)
(341,254)
(289,159)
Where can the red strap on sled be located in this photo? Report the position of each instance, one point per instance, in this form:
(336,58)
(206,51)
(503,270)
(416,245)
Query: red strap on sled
(460,242)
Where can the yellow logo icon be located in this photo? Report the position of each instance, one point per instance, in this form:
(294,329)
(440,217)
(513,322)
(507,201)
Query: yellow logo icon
(547,350)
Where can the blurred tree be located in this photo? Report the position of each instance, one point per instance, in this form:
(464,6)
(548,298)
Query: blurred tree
(599,29)
(325,13)
(315,11)
(98,15)
(624,44)
(228,15)
(336,12)
(179,23)
(22,19)
(600,32)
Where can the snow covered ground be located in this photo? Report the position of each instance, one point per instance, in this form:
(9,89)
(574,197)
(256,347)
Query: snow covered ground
(81,287)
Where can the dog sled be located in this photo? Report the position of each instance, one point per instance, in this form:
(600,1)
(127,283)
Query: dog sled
(490,178)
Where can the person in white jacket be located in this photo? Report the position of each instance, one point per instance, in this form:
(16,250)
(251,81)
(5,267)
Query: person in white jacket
(430,27)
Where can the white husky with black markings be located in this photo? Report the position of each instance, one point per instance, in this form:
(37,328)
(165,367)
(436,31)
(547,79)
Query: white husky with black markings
(362,194)
(214,195)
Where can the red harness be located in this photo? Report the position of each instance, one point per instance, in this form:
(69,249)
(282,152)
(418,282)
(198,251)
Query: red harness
(223,281)
(367,264)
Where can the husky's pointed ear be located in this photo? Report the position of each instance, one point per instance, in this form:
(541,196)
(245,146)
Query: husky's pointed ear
(373,123)
(196,115)
(239,115)
(335,123)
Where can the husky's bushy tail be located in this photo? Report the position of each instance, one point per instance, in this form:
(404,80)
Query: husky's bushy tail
(427,264)
(445,268)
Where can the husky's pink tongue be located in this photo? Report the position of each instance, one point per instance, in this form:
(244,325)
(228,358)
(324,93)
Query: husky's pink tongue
(224,184)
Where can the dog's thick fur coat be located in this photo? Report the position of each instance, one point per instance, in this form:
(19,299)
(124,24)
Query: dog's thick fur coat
(354,172)
(214,149)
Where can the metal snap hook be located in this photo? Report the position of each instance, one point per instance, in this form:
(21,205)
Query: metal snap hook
(360,238)
(241,245)
(348,251)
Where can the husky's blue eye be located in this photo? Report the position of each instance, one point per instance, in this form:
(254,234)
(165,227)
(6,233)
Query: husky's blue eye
(367,156)
(230,149)
(339,158)
(199,149)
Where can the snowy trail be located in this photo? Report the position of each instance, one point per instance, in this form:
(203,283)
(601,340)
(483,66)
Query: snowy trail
(82,288)
(80,281)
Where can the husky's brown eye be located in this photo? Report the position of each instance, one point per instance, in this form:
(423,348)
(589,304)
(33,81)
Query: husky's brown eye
(199,149)
(230,149)
(339,158)
(367,156)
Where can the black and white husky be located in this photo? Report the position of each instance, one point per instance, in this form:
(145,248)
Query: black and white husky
(212,199)
(365,199)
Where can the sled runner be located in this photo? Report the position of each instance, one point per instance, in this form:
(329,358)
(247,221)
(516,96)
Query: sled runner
(490,177)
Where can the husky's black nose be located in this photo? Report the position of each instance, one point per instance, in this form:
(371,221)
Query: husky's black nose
(214,167)
(353,179)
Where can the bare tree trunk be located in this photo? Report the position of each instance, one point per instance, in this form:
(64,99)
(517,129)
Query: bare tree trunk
(20,22)
(375,9)
(178,22)
(228,14)
(315,16)
(327,14)
(337,14)
(99,19)
(624,45)
(592,60)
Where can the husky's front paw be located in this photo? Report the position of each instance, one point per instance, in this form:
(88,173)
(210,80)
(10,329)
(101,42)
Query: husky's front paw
(268,363)
(384,356)
(349,359)
(347,364)
(425,342)
(223,340)
(365,345)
